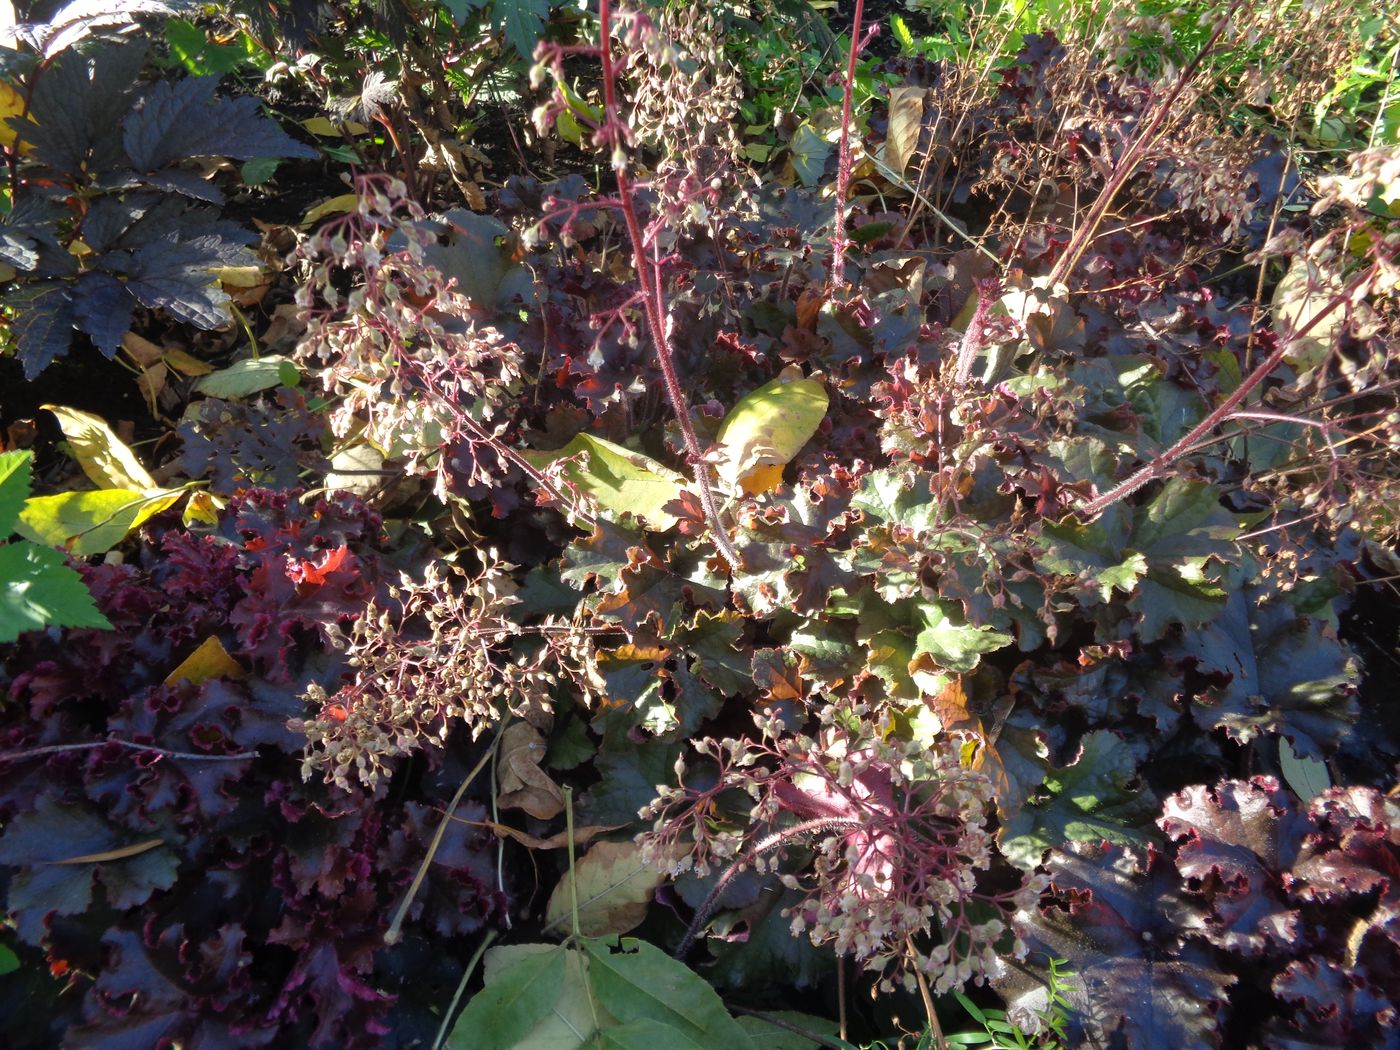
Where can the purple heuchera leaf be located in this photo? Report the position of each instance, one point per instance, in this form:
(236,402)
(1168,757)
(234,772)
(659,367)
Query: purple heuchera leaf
(1233,842)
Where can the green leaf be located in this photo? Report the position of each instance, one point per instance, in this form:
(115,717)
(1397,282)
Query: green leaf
(514,1001)
(244,377)
(642,983)
(258,170)
(647,1035)
(9,961)
(522,22)
(1306,776)
(622,481)
(38,590)
(953,644)
(1091,801)
(771,1037)
(85,523)
(769,426)
(16,475)
(810,151)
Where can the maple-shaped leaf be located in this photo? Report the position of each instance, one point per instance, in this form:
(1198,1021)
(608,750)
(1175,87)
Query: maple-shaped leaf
(1272,670)
(1140,983)
(102,308)
(177,276)
(1167,556)
(77,103)
(1097,799)
(181,119)
(1234,840)
(42,325)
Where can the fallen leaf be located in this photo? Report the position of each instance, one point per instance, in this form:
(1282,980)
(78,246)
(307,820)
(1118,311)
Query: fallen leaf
(210,660)
(112,854)
(614,889)
(102,455)
(335,206)
(523,784)
(582,836)
(622,481)
(186,364)
(769,426)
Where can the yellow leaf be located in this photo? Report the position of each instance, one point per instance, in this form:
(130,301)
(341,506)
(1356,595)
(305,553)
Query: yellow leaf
(85,523)
(12,104)
(121,853)
(335,206)
(240,276)
(328,129)
(141,350)
(622,481)
(768,427)
(210,660)
(202,507)
(186,364)
(102,455)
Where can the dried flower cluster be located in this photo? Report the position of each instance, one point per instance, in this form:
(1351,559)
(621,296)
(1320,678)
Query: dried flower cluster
(438,651)
(411,368)
(895,846)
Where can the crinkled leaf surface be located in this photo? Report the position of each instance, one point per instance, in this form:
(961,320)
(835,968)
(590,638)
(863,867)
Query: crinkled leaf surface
(1096,799)
(1234,839)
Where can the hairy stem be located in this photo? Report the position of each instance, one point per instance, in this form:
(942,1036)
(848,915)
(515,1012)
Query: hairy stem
(653,303)
(1158,467)
(843,161)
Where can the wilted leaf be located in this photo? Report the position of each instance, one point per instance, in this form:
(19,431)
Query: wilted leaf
(524,785)
(614,889)
(810,152)
(622,481)
(769,426)
(906,112)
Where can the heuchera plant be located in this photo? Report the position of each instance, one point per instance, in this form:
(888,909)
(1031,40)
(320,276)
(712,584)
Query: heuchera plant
(161,846)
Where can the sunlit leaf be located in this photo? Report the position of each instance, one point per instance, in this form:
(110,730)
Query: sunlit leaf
(102,455)
(622,481)
(768,427)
